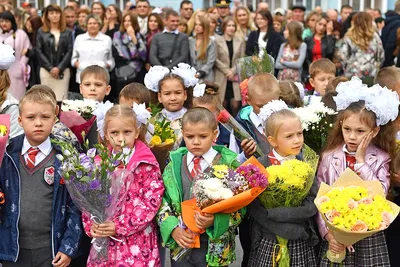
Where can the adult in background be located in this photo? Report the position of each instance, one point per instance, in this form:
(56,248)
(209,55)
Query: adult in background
(332,14)
(82,15)
(169,47)
(32,26)
(223,11)
(298,13)
(361,51)
(92,48)
(265,38)
(230,47)
(345,12)
(112,20)
(186,9)
(389,35)
(71,19)
(74,4)
(129,49)
(202,50)
(19,41)
(154,25)
(262,5)
(54,50)
(142,9)
(309,26)
(99,9)
(244,22)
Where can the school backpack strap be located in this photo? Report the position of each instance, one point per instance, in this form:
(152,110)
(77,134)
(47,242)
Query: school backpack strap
(4,111)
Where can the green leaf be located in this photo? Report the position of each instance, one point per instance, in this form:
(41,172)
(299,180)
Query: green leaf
(85,179)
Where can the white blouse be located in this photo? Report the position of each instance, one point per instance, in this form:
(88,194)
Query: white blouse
(262,45)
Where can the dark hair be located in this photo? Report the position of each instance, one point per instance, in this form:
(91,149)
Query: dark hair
(143,1)
(36,23)
(189,91)
(118,11)
(7,15)
(171,12)
(136,91)
(159,21)
(267,16)
(185,2)
(134,22)
(391,13)
(250,7)
(333,83)
(46,22)
(200,115)
(102,7)
(379,20)
(328,99)
(345,6)
(290,94)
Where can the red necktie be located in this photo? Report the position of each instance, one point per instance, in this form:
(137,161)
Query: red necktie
(350,161)
(196,167)
(30,160)
(273,159)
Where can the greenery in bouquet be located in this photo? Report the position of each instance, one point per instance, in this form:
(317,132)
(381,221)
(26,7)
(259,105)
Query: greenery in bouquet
(163,133)
(315,120)
(250,66)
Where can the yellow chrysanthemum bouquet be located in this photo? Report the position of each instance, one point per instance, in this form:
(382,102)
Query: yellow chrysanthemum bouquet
(354,209)
(288,186)
(162,141)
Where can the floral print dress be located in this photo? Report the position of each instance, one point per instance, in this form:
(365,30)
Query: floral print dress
(134,221)
(288,73)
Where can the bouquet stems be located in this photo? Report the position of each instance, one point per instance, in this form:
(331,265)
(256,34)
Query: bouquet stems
(281,253)
(334,257)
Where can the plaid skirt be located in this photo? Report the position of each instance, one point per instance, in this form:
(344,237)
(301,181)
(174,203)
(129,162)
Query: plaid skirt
(301,254)
(371,251)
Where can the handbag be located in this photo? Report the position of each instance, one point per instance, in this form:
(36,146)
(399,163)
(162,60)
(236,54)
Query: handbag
(125,74)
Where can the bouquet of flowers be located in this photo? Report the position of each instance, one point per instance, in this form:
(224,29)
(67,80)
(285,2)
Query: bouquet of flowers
(288,186)
(354,209)
(95,184)
(221,190)
(316,124)
(4,134)
(234,127)
(78,116)
(162,142)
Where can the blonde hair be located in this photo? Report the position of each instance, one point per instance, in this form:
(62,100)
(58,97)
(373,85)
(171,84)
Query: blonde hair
(124,112)
(205,23)
(99,72)
(361,31)
(322,65)
(39,94)
(290,94)
(192,19)
(276,120)
(5,83)
(263,83)
(388,77)
(249,24)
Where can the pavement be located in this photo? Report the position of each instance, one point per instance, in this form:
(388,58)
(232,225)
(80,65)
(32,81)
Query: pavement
(239,255)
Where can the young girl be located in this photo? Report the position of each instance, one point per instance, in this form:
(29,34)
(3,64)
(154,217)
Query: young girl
(174,93)
(362,140)
(133,224)
(290,94)
(285,134)
(291,54)
(209,99)
(217,244)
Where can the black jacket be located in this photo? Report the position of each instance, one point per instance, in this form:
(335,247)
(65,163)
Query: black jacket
(273,45)
(328,47)
(48,56)
(389,38)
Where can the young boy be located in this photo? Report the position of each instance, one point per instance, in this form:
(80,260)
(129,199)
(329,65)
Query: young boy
(217,244)
(321,72)
(41,225)
(95,83)
(134,93)
(389,77)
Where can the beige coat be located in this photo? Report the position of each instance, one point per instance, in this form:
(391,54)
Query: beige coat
(222,64)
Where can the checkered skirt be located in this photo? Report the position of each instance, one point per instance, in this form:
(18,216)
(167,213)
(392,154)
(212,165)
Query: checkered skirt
(371,251)
(301,254)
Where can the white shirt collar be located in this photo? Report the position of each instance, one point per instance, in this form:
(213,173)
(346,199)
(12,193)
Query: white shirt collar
(346,151)
(208,156)
(98,36)
(255,119)
(44,147)
(174,32)
(282,159)
(173,115)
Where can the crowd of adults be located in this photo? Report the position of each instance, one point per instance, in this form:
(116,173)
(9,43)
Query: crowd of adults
(55,47)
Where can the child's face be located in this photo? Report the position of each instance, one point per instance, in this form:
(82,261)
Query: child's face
(320,81)
(355,130)
(37,120)
(172,95)
(121,131)
(129,102)
(289,139)
(257,101)
(198,137)
(94,88)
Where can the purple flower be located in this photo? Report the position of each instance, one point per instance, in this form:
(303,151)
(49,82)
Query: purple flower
(81,187)
(91,153)
(85,162)
(108,200)
(253,175)
(79,174)
(94,185)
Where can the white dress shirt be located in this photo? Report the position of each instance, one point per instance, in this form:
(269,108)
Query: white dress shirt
(143,25)
(280,158)
(205,161)
(92,51)
(44,150)
(174,32)
(262,45)
(357,165)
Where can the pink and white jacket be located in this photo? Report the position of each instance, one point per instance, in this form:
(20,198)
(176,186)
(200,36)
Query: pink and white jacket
(333,164)
(134,222)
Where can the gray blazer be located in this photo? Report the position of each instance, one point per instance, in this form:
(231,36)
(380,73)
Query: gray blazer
(206,65)
(161,48)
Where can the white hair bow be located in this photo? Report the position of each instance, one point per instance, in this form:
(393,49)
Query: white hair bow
(100,113)
(274,106)
(153,77)
(7,57)
(199,90)
(142,114)
(187,73)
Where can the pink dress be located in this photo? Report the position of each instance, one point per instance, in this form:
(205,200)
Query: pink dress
(19,70)
(134,223)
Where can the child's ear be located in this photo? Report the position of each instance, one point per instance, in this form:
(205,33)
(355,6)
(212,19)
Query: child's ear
(80,88)
(375,131)
(185,94)
(108,89)
(19,121)
(159,97)
(271,141)
(311,80)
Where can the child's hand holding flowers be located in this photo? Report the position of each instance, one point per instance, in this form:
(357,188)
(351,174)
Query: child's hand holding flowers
(103,230)
(203,221)
(182,237)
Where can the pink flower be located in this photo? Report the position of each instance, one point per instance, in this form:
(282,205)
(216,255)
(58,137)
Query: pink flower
(322,199)
(366,200)
(387,218)
(97,160)
(330,215)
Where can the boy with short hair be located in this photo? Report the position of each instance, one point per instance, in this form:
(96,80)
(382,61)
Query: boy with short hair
(41,225)
(95,83)
(134,93)
(321,72)
(389,77)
